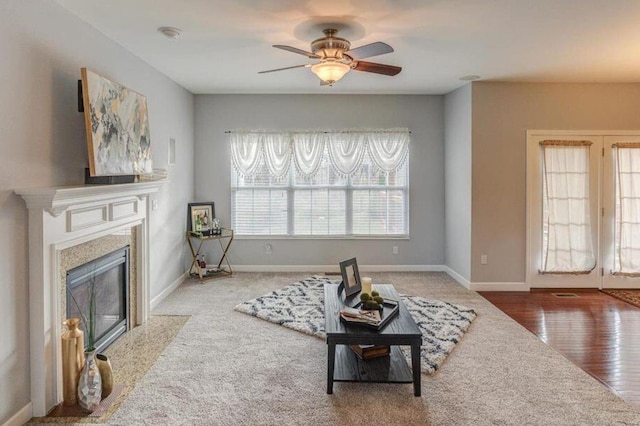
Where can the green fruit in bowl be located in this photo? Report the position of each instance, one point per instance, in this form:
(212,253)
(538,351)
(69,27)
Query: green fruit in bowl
(379,299)
(364,297)
(371,305)
(375,294)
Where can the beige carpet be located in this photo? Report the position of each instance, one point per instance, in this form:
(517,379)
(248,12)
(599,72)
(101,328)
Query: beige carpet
(227,368)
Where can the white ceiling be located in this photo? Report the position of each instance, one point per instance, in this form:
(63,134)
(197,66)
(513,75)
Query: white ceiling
(226,42)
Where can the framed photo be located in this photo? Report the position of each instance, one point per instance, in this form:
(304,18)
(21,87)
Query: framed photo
(350,277)
(200,217)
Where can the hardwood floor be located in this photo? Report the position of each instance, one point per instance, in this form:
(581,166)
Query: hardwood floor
(598,332)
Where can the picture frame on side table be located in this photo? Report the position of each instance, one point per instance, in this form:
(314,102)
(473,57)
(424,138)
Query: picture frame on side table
(350,277)
(200,218)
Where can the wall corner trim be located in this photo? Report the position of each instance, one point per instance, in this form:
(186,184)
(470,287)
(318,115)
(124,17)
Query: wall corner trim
(500,286)
(167,291)
(21,417)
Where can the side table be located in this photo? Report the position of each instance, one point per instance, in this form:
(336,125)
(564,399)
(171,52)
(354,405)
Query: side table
(196,242)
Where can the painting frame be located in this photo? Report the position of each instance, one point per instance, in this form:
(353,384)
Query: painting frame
(206,212)
(350,277)
(117,127)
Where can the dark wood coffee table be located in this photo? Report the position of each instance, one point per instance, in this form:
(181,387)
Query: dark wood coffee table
(345,366)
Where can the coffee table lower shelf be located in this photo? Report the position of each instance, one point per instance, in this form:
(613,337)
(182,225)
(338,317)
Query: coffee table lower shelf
(387,369)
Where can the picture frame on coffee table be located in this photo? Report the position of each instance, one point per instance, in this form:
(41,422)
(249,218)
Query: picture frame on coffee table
(350,277)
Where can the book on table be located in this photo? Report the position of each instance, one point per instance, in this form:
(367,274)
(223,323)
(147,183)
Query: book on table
(354,315)
(370,351)
(374,319)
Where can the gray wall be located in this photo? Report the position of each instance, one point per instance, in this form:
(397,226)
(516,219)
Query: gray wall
(457,166)
(423,115)
(43,143)
(502,112)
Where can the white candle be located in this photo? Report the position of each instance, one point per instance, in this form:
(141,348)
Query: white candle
(366,285)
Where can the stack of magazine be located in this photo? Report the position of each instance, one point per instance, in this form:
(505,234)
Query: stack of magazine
(358,316)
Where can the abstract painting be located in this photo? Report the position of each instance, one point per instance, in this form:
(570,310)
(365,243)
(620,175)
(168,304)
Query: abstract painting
(117,126)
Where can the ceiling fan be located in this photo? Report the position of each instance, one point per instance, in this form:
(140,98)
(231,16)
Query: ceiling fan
(337,58)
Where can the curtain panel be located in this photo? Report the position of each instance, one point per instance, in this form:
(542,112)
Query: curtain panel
(627,216)
(387,148)
(567,238)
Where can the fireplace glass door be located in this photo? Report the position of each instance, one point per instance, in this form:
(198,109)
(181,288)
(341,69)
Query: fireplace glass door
(107,278)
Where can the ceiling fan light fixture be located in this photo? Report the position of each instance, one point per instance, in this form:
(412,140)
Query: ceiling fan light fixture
(330,71)
(336,58)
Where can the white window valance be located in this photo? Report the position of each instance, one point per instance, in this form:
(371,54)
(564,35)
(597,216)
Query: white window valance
(345,150)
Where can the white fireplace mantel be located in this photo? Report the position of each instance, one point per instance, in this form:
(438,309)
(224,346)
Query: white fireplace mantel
(60,218)
(57,200)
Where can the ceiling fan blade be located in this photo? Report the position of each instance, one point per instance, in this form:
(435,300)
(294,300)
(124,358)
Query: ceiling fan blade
(285,68)
(376,68)
(296,50)
(369,50)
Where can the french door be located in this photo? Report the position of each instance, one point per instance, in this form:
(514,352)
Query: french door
(583,209)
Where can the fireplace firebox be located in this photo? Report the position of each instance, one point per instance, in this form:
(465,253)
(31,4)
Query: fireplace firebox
(109,276)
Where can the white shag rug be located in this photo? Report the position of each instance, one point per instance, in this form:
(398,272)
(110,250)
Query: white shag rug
(300,306)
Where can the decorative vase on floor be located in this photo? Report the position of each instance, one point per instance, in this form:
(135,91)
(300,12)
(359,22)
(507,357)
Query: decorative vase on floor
(72,360)
(90,383)
(106,374)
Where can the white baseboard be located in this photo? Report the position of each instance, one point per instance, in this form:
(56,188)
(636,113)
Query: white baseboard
(402,268)
(167,291)
(497,286)
(21,417)
(500,286)
(456,276)
(336,268)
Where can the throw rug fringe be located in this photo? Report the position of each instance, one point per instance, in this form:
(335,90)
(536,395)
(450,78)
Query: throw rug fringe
(300,307)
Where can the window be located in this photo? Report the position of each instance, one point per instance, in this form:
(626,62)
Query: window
(337,186)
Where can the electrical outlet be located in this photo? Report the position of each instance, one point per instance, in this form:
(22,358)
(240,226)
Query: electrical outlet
(395,249)
(154,205)
(483,259)
(268,249)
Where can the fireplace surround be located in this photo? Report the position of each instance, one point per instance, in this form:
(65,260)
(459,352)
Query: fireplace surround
(62,218)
